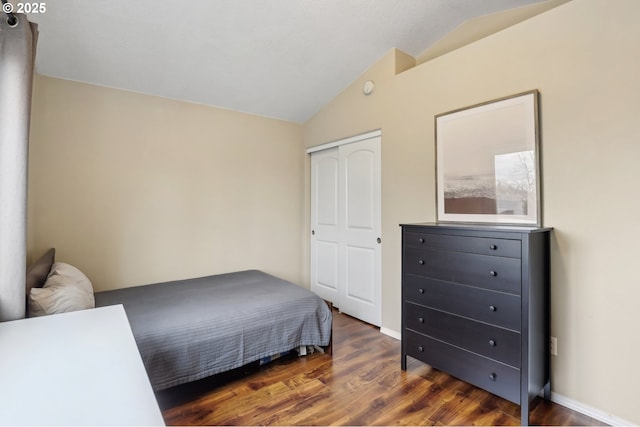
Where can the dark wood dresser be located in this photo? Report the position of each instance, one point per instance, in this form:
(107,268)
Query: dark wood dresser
(475,304)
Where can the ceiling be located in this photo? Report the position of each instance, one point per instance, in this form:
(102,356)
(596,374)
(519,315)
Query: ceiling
(277,58)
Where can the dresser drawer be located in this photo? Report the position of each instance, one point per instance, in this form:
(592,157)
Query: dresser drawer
(496,343)
(476,245)
(495,377)
(490,272)
(492,307)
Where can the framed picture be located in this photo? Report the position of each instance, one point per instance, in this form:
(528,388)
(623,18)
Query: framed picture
(487,158)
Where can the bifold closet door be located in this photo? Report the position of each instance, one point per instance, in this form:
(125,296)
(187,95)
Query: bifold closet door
(346,224)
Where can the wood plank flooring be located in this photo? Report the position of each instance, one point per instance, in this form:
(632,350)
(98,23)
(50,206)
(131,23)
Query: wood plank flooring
(362,384)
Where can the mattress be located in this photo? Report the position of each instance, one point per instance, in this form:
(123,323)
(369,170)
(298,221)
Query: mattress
(190,329)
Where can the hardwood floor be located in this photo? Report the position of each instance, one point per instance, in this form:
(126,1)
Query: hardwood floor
(362,384)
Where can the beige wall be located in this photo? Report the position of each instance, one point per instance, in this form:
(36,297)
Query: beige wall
(583,58)
(134,189)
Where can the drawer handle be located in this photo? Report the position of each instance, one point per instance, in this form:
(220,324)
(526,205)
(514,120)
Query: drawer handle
(492,343)
(421,240)
(420,319)
(421,261)
(493,376)
(421,290)
(420,349)
(493,247)
(492,308)
(493,273)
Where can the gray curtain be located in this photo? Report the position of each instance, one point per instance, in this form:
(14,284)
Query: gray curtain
(17,53)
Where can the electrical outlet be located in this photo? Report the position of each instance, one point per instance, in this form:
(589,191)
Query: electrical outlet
(553,346)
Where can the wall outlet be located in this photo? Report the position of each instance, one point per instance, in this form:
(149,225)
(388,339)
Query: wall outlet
(553,346)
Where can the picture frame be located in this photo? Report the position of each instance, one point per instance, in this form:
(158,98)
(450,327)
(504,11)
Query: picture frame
(488,162)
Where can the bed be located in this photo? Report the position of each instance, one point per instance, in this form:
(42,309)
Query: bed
(190,329)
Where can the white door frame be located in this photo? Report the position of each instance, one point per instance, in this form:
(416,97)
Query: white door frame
(355,138)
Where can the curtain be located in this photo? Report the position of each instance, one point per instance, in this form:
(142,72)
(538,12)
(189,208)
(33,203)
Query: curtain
(17,53)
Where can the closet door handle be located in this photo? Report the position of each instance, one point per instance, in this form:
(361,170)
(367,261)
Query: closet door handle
(421,261)
(492,343)
(493,247)
(492,308)
(493,273)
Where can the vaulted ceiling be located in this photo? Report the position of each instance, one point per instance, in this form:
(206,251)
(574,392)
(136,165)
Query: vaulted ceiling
(277,58)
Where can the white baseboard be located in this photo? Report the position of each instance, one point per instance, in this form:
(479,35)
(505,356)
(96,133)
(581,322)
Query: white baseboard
(391,333)
(589,411)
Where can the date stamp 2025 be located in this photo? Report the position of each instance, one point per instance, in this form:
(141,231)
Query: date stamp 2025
(29,7)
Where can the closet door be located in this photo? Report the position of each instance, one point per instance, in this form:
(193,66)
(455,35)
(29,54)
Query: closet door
(324,222)
(346,257)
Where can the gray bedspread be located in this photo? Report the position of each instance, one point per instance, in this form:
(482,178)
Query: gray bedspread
(190,329)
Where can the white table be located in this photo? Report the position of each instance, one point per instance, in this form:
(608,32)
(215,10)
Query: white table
(80,368)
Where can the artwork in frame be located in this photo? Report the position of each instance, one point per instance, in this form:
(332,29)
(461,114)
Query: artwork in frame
(487,158)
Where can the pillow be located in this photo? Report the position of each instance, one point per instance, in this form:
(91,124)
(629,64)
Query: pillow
(66,289)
